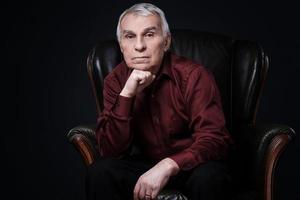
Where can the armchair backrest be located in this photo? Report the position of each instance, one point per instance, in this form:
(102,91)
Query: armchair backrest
(239,67)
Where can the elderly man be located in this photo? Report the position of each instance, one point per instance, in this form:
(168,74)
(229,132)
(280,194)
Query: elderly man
(167,106)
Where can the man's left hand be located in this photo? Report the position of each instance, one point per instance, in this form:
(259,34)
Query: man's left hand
(150,183)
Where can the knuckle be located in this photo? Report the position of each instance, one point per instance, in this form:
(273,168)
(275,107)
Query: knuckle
(141,196)
(153,195)
(135,76)
(154,187)
(145,182)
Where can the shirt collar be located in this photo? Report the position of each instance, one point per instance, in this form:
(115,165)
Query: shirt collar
(165,69)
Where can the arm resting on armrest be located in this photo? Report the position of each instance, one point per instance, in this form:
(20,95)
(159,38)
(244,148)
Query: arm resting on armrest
(84,139)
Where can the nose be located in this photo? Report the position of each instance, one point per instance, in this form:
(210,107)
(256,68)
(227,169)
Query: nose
(140,45)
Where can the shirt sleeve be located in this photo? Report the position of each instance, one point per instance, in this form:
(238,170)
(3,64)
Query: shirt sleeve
(113,125)
(206,121)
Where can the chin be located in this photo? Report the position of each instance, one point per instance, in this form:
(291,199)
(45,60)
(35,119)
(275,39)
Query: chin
(143,67)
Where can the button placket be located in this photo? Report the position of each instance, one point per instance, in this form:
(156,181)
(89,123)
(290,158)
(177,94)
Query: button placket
(156,120)
(154,114)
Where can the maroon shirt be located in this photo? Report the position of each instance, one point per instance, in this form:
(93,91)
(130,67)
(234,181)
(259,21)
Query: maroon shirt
(178,116)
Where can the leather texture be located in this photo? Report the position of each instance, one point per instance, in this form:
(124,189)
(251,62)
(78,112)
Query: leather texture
(171,195)
(87,131)
(240,68)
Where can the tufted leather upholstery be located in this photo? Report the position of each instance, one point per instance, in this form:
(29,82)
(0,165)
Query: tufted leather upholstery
(240,68)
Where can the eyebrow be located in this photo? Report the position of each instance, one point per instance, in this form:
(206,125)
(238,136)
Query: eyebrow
(144,31)
(128,31)
(150,29)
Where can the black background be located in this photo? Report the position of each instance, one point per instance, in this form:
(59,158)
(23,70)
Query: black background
(47,83)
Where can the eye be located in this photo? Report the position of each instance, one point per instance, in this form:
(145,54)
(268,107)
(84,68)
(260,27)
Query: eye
(150,34)
(129,36)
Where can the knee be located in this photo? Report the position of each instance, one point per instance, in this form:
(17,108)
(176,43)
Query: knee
(209,181)
(211,174)
(101,170)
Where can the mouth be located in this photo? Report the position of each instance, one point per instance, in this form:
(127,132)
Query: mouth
(140,59)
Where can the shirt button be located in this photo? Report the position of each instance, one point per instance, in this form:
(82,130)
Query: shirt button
(156,120)
(152,95)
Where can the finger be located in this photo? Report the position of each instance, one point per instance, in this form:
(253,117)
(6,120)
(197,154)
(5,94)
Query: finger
(146,79)
(136,191)
(142,81)
(154,193)
(147,75)
(139,75)
(153,76)
(148,193)
(142,192)
(149,79)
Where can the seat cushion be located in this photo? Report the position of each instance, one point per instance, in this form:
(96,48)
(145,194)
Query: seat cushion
(171,195)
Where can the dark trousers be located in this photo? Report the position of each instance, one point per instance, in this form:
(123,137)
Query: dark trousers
(115,179)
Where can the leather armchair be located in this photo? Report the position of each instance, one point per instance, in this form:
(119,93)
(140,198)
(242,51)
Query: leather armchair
(240,68)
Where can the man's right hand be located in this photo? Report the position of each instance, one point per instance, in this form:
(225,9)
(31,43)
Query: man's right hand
(137,81)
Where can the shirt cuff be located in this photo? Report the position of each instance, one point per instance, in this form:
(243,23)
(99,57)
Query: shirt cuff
(185,160)
(123,106)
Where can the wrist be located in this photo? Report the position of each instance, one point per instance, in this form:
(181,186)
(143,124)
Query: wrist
(126,93)
(172,166)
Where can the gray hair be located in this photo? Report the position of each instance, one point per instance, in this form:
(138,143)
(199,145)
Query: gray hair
(145,9)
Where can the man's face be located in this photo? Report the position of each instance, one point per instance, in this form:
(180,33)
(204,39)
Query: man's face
(142,42)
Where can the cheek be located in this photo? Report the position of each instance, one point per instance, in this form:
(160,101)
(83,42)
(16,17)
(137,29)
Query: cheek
(158,52)
(125,49)
(127,60)
(126,55)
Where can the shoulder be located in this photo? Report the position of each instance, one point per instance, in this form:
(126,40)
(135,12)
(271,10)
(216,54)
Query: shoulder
(118,75)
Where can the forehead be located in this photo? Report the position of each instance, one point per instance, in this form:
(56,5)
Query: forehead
(138,23)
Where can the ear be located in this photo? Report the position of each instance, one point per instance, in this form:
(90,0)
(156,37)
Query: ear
(167,42)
